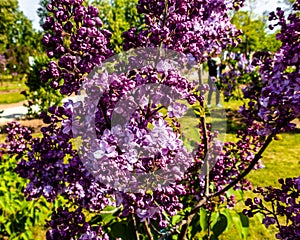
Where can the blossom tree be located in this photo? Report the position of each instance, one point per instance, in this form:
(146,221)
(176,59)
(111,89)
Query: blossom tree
(99,178)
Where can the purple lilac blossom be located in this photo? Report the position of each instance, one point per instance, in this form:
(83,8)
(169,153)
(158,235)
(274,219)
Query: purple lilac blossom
(52,164)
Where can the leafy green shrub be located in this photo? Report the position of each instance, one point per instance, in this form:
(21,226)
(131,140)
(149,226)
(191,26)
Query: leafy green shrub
(39,93)
(18,216)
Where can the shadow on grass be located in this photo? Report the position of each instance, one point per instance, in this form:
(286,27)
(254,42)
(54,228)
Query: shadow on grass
(234,121)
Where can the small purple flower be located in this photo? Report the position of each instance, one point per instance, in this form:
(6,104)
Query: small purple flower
(267,221)
(177,110)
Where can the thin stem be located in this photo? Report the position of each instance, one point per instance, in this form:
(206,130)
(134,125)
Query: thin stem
(185,227)
(206,157)
(229,186)
(110,212)
(148,108)
(205,136)
(198,206)
(137,237)
(208,224)
(275,216)
(148,230)
(155,229)
(156,110)
(188,219)
(200,73)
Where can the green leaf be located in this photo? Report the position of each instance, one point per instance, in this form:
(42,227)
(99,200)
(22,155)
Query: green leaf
(230,192)
(220,225)
(106,218)
(214,218)
(259,216)
(244,220)
(199,111)
(24,236)
(176,219)
(241,193)
(194,227)
(96,219)
(8,228)
(242,224)
(227,213)
(203,219)
(121,230)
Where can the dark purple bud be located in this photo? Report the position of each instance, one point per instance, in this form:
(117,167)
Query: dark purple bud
(50,53)
(257,201)
(248,202)
(49,7)
(48,23)
(57,28)
(68,26)
(46,39)
(93,11)
(54,85)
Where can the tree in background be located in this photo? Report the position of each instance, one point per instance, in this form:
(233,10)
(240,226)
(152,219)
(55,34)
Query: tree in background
(256,33)
(118,16)
(255,36)
(7,19)
(42,11)
(18,40)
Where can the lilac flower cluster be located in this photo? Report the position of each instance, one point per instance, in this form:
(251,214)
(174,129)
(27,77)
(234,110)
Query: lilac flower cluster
(18,139)
(74,37)
(284,202)
(278,101)
(53,168)
(67,225)
(236,71)
(192,27)
(118,156)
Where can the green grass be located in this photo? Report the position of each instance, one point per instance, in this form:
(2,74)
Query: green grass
(9,86)
(5,78)
(281,160)
(10,90)
(2,138)
(11,97)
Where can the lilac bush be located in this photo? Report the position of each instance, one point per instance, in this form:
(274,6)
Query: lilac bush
(236,73)
(55,167)
(275,101)
(74,37)
(191,27)
(279,203)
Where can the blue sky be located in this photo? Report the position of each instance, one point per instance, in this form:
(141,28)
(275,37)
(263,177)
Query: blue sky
(29,8)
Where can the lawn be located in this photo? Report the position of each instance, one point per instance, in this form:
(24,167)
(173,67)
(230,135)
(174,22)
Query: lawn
(10,91)
(11,97)
(12,86)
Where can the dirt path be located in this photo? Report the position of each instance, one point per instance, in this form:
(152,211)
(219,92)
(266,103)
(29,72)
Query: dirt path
(11,105)
(33,124)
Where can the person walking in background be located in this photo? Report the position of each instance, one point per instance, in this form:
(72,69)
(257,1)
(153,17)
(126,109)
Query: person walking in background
(214,65)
